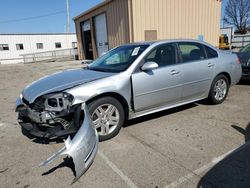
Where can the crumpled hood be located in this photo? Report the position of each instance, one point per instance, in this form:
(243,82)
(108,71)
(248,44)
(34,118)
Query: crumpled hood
(61,81)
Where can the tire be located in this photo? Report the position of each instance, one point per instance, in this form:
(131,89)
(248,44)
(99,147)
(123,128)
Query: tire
(108,117)
(219,90)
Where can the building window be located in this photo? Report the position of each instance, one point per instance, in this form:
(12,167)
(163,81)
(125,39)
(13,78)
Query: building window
(74,44)
(39,45)
(4,47)
(19,46)
(58,45)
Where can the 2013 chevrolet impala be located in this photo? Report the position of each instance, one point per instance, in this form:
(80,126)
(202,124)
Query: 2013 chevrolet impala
(127,82)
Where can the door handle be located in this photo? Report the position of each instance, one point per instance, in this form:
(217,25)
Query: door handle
(210,64)
(174,72)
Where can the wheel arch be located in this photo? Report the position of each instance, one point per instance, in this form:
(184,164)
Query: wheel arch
(117,96)
(227,76)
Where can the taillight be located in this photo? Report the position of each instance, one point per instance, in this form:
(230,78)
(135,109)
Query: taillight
(238,60)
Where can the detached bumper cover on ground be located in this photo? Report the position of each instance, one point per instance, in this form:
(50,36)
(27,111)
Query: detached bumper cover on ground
(82,148)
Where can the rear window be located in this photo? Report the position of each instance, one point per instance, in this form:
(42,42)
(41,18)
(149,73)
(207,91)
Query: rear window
(211,53)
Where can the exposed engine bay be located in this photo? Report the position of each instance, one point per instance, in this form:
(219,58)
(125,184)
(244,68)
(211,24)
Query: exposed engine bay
(51,115)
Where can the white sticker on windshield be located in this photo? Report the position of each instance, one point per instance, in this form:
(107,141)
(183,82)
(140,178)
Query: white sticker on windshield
(135,52)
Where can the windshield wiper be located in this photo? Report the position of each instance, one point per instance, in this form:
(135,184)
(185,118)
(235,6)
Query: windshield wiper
(97,69)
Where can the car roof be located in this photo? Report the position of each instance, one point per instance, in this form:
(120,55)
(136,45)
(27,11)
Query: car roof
(167,40)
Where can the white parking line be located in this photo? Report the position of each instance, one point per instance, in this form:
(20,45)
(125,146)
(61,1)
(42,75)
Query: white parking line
(117,170)
(1,124)
(42,74)
(203,168)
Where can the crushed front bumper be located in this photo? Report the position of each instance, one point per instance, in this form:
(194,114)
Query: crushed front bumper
(35,129)
(82,148)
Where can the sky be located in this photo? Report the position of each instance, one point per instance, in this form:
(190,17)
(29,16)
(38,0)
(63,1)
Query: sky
(43,16)
(13,10)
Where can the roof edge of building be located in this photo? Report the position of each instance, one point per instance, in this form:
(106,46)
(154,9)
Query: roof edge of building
(37,33)
(93,8)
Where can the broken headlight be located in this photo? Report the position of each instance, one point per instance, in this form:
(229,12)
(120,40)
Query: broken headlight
(57,102)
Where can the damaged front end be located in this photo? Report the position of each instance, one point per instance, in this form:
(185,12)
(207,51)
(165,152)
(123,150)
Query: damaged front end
(82,148)
(49,116)
(53,115)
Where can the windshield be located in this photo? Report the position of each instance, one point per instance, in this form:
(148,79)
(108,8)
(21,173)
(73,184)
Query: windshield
(118,59)
(246,48)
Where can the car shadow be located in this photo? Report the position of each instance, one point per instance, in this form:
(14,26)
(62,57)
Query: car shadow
(244,82)
(234,170)
(42,140)
(158,114)
(67,163)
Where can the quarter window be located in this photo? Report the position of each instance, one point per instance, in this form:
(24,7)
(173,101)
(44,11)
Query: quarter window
(58,45)
(163,55)
(19,46)
(211,53)
(39,45)
(191,51)
(4,47)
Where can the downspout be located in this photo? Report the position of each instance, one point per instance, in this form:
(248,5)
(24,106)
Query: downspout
(131,24)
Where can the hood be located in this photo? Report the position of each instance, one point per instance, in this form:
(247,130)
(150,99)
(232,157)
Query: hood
(244,58)
(61,81)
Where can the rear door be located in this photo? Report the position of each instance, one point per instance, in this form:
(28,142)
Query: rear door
(101,34)
(161,86)
(196,70)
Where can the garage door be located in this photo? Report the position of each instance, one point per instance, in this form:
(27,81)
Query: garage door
(101,34)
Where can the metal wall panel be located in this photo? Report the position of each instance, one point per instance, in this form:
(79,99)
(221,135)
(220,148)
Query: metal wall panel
(117,24)
(177,19)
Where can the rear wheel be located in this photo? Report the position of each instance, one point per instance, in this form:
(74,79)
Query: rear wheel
(219,90)
(108,116)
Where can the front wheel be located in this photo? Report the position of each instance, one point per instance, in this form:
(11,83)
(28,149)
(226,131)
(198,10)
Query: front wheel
(108,116)
(219,90)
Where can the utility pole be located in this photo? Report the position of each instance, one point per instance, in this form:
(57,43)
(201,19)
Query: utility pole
(68,21)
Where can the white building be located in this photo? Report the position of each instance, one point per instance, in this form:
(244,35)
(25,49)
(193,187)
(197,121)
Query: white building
(12,46)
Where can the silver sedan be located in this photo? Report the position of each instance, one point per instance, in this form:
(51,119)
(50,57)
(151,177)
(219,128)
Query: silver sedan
(127,82)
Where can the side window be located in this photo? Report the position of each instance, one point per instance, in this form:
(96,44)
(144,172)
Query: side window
(211,53)
(191,51)
(163,55)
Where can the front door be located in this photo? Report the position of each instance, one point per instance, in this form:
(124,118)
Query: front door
(101,34)
(160,86)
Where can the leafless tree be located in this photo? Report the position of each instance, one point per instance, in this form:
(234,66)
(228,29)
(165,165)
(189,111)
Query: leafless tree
(237,13)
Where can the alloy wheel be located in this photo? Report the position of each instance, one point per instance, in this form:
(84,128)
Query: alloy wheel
(220,89)
(105,118)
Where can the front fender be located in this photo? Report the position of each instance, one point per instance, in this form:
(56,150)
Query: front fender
(82,148)
(119,84)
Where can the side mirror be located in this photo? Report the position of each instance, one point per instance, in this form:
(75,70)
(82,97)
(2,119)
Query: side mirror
(150,65)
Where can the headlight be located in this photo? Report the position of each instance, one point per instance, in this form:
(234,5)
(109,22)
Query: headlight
(68,97)
(58,101)
(21,96)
